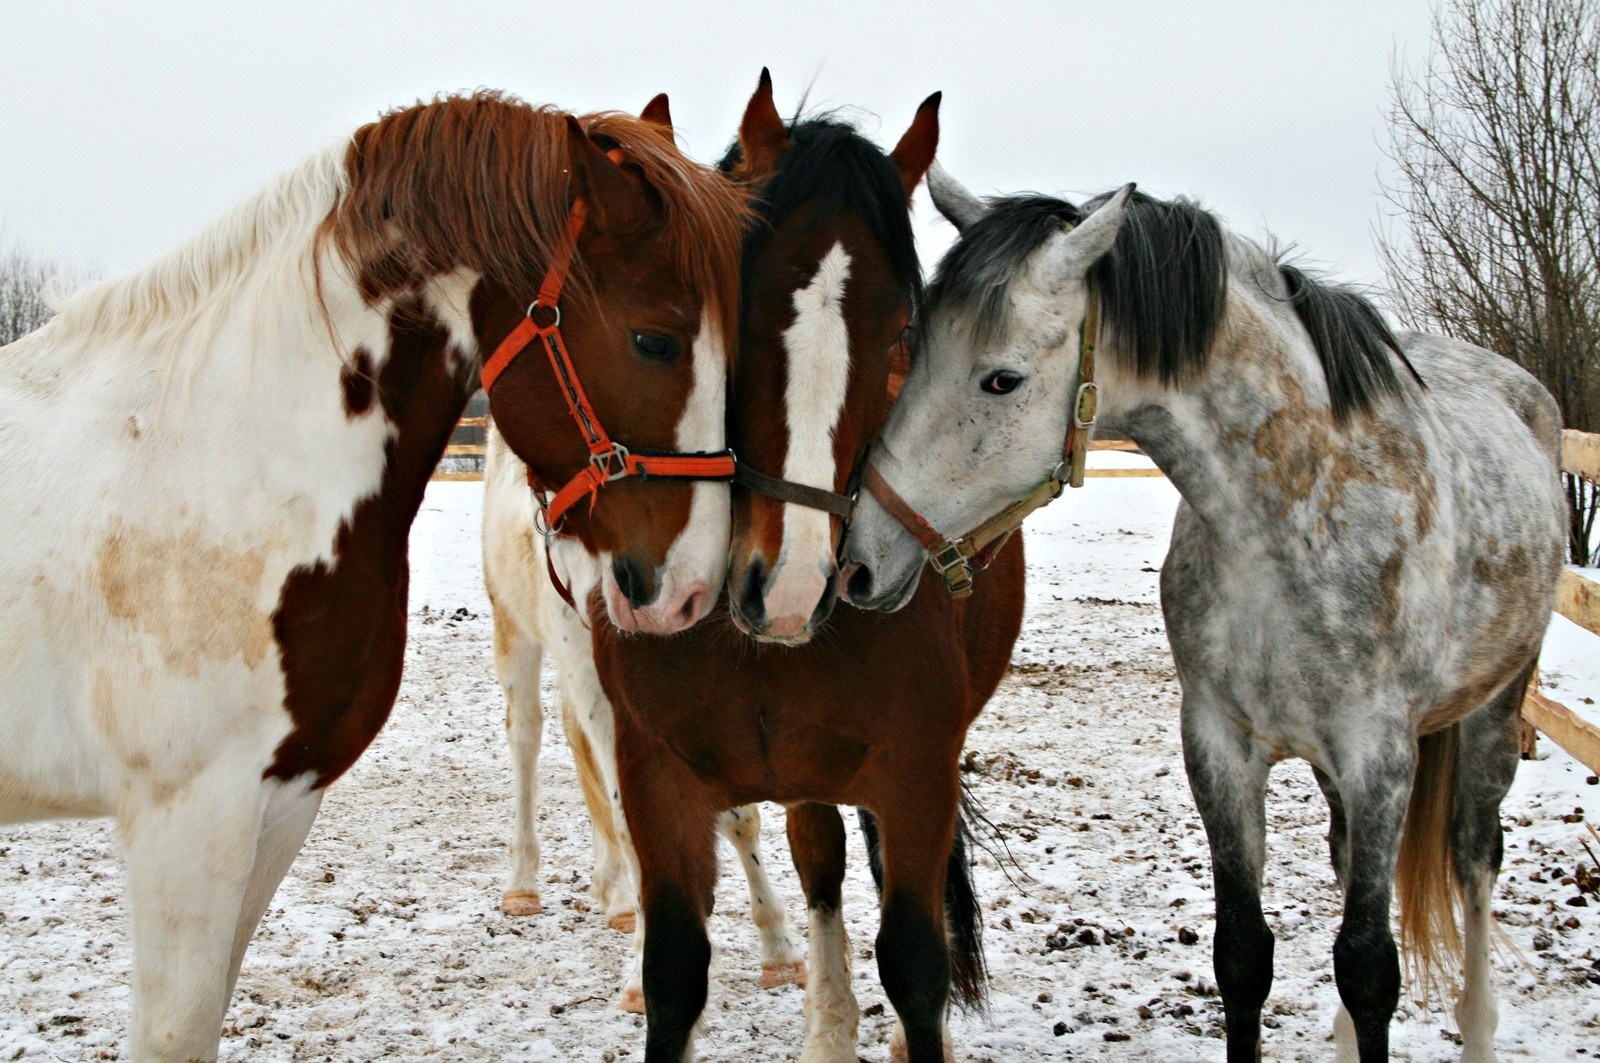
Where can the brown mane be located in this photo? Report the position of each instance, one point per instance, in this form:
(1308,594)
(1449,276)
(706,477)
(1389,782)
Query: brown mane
(480,182)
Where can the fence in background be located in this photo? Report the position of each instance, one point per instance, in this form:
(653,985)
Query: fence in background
(1577,599)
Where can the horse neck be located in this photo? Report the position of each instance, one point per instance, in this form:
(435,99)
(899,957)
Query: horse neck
(1244,434)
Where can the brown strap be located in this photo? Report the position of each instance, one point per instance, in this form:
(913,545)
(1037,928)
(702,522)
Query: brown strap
(789,491)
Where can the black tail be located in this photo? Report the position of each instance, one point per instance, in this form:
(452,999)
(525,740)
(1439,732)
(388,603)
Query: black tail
(963,915)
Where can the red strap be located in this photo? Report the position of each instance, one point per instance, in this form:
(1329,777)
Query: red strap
(509,348)
(555,580)
(900,510)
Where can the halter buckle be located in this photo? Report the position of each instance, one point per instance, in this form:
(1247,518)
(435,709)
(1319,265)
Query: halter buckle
(612,464)
(953,567)
(1087,405)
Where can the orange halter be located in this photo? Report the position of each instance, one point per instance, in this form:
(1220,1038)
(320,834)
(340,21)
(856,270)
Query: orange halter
(608,460)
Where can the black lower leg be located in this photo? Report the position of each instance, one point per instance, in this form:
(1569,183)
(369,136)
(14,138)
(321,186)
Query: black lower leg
(1366,967)
(1242,955)
(914,963)
(677,955)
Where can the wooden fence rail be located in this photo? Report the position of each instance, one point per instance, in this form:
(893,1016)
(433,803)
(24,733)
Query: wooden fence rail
(476,450)
(1577,599)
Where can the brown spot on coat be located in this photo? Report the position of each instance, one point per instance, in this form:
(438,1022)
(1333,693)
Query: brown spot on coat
(356,379)
(341,626)
(1308,455)
(193,594)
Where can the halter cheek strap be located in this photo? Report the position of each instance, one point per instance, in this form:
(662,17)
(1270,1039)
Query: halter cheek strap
(608,459)
(958,560)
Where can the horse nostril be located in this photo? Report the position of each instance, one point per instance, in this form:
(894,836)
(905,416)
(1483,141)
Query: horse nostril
(752,605)
(632,582)
(861,584)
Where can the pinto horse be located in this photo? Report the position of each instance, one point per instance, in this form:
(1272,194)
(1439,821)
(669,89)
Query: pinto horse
(1361,571)
(872,714)
(213,466)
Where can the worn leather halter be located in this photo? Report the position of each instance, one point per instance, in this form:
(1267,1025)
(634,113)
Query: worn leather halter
(958,559)
(608,459)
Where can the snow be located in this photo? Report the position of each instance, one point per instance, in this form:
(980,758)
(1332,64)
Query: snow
(386,942)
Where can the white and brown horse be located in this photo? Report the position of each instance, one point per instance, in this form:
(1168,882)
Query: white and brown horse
(1361,570)
(211,467)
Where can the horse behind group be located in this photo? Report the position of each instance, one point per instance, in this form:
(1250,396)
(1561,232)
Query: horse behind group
(1361,570)
(211,469)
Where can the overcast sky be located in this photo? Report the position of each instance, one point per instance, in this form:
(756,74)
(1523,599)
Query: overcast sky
(125,128)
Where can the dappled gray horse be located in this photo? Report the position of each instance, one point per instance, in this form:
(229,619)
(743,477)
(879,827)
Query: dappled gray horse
(1360,574)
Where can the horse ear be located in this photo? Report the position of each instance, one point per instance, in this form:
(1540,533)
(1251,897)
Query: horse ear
(1079,249)
(763,138)
(914,154)
(617,204)
(657,111)
(960,207)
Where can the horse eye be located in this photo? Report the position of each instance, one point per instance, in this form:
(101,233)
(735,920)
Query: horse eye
(654,346)
(1001,382)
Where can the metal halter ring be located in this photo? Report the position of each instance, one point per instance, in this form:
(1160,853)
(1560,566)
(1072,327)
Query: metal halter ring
(556,310)
(541,521)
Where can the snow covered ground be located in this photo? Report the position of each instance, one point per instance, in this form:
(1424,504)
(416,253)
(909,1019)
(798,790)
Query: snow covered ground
(386,941)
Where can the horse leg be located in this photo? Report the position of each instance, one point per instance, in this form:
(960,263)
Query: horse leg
(588,713)
(613,883)
(287,820)
(1366,963)
(673,820)
(913,954)
(1490,749)
(191,855)
(1229,780)
(1344,1031)
(816,843)
(781,962)
(516,663)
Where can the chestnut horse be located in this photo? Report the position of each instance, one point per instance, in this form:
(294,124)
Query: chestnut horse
(873,713)
(212,467)
(531,619)
(1361,569)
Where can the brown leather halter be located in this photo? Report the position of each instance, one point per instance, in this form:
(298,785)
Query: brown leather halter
(608,459)
(958,560)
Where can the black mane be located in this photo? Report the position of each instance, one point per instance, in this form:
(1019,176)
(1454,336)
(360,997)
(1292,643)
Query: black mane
(1163,289)
(828,160)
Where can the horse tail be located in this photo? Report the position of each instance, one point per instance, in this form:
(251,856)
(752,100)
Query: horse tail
(1425,879)
(963,915)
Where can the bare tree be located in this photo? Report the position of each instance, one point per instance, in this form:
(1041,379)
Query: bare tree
(26,282)
(1496,138)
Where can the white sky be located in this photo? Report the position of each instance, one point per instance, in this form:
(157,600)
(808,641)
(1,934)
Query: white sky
(124,128)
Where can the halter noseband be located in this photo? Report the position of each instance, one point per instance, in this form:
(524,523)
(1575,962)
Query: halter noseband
(957,560)
(608,459)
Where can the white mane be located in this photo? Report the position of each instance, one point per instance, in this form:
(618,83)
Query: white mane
(177,303)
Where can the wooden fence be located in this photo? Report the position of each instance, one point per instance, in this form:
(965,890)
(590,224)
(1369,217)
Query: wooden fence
(476,451)
(1577,599)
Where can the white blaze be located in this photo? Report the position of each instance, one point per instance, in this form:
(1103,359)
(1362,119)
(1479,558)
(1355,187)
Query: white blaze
(818,348)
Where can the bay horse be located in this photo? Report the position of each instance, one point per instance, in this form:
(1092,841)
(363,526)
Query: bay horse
(1360,574)
(212,467)
(872,713)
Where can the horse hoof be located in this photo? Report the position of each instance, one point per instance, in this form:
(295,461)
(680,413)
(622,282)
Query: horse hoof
(632,1001)
(625,922)
(774,975)
(520,902)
